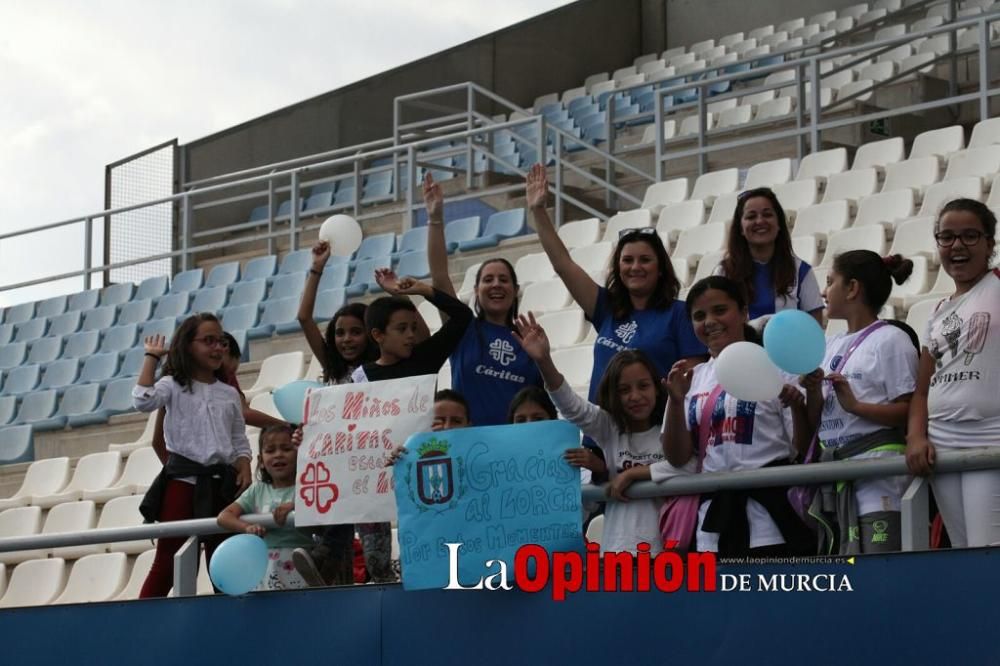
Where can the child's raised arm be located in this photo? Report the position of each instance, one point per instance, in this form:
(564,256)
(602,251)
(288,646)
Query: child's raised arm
(676,439)
(437,251)
(314,337)
(535,342)
(147,396)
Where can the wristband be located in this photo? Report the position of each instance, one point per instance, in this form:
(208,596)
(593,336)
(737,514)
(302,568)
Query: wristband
(315,272)
(152,355)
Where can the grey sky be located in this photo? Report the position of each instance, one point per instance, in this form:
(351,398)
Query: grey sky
(84,84)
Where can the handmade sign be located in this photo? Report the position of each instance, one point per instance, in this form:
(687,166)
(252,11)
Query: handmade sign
(489,490)
(348,432)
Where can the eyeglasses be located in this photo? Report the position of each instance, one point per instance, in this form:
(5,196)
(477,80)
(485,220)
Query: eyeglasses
(637,231)
(212,341)
(969,237)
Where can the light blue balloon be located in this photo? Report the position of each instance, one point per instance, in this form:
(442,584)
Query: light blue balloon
(239,564)
(290,399)
(794,342)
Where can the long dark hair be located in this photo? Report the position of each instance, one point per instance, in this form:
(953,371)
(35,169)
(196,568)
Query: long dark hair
(535,394)
(179,363)
(262,473)
(607,391)
(731,288)
(667,284)
(874,273)
(738,262)
(512,312)
(335,365)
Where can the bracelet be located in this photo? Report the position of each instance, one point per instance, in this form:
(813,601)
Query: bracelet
(152,355)
(315,272)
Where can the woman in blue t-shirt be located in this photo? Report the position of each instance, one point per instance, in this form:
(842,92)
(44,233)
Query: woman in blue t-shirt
(637,308)
(759,257)
(488,367)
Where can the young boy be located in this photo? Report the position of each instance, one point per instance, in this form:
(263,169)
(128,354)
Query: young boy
(451,410)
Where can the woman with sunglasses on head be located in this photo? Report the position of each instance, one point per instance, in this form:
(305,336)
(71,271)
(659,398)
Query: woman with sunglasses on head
(759,257)
(488,366)
(637,307)
(955,403)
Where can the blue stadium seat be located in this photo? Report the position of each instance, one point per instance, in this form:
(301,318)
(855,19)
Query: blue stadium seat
(377,190)
(36,406)
(241,340)
(20,380)
(164,327)
(223,275)
(60,374)
(135,312)
(334,276)
(287,286)
(239,318)
(8,407)
(327,304)
(211,300)
(51,307)
(116,294)
(98,318)
(131,364)
(12,355)
(299,261)
(285,207)
(364,275)
(500,225)
(187,281)
(281,311)
(318,201)
(344,197)
(259,213)
(152,288)
(171,305)
(16,445)
(100,368)
(117,399)
(30,330)
(248,293)
(461,230)
(80,344)
(414,264)
(411,241)
(83,301)
(260,268)
(18,314)
(320,188)
(6,333)
(119,338)
(77,401)
(46,350)
(64,324)
(378,245)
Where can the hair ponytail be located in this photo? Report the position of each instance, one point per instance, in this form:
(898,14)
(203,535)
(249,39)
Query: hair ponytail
(874,273)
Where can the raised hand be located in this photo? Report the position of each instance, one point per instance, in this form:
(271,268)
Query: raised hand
(433,199)
(678,381)
(400,286)
(155,345)
(320,255)
(532,337)
(387,279)
(537,187)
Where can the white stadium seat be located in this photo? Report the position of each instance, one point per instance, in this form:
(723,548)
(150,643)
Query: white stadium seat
(877,154)
(141,468)
(916,174)
(19,522)
(276,371)
(690,124)
(823,164)
(444,377)
(545,296)
(985,133)
(431,316)
(575,363)
(707,265)
(95,578)
(43,477)
(140,569)
(593,257)
(123,512)
(696,242)
(776,108)
(851,185)
(768,174)
(665,193)
(712,184)
(939,143)
(35,583)
(740,115)
(679,216)
(465,292)
(724,208)
(856,238)
(580,233)
(631,219)
(915,237)
(886,208)
(533,268)
(937,195)
(943,287)
(823,219)
(145,439)
(94,472)
(72,517)
(796,195)
(919,314)
(984,163)
(565,328)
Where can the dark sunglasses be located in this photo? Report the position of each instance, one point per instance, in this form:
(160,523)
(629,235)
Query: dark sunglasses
(637,231)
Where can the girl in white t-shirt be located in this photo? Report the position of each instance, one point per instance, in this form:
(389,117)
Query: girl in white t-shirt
(955,404)
(860,410)
(624,423)
(741,435)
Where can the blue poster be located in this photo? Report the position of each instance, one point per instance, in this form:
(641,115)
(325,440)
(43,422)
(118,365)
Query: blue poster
(491,490)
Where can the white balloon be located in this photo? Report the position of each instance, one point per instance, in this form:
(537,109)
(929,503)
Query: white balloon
(343,233)
(745,371)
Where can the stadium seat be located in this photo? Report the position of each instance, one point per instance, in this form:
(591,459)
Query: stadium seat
(35,583)
(20,522)
(850,186)
(117,399)
(16,444)
(36,406)
(879,154)
(879,71)
(469,283)
(223,275)
(260,268)
(593,257)
(823,164)
(94,472)
(821,220)
(164,327)
(211,299)
(240,335)
(983,163)
(984,133)
(916,174)
(141,467)
(144,440)
(187,281)
(915,236)
(99,368)
(937,195)
(871,237)
(64,324)
(12,355)
(710,185)
(8,407)
(31,330)
(378,245)
(264,402)
(131,362)
(675,218)
(735,117)
(886,208)
(690,125)
(123,511)
(665,193)
(565,327)
(279,313)
(459,231)
(80,399)
(276,371)
(632,219)
(83,301)
(576,363)
(363,278)
(919,314)
(768,174)
(99,318)
(327,304)
(544,296)
(140,569)
(72,517)
(98,577)
(6,333)
(151,288)
(939,143)
(943,287)
(117,294)
(581,232)
(47,350)
(119,338)
(171,305)
(248,293)
(414,264)
(807,249)
(42,477)
(695,242)
(59,374)
(724,208)
(412,240)
(51,307)
(775,108)
(314,373)
(135,312)
(318,201)
(19,314)
(649,134)
(500,225)
(287,285)
(335,276)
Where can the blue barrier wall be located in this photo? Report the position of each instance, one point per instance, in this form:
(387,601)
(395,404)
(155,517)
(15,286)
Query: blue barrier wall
(919,608)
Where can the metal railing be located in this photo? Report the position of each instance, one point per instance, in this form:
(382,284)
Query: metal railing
(914,507)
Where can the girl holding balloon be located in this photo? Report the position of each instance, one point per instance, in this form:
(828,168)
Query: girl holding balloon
(735,412)
(860,397)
